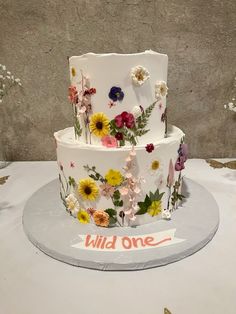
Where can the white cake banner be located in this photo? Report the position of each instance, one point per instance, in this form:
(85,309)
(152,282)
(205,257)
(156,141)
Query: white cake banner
(127,243)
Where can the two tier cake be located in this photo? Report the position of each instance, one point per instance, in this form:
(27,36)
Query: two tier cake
(120,165)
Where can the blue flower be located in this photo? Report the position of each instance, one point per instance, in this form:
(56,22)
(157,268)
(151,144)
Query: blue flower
(116,93)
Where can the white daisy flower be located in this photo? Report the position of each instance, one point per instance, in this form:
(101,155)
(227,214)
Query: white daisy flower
(139,75)
(161,89)
(155,167)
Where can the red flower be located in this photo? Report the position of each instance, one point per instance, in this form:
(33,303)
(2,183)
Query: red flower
(149,148)
(119,136)
(130,121)
(125,116)
(90,91)
(119,121)
(73,94)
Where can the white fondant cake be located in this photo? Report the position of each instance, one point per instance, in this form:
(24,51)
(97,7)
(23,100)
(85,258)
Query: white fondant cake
(118,165)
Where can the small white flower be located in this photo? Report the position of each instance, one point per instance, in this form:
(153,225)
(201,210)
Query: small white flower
(71,202)
(4,67)
(17,80)
(0,100)
(8,77)
(139,75)
(161,89)
(8,73)
(155,167)
(225,106)
(166,214)
(137,111)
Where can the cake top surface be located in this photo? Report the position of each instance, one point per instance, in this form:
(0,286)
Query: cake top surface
(146,52)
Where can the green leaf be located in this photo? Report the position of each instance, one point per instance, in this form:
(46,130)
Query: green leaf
(112,220)
(152,196)
(72,181)
(147,201)
(116,195)
(111,212)
(120,203)
(142,208)
(93,177)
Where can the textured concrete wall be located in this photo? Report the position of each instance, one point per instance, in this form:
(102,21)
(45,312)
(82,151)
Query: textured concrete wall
(36,36)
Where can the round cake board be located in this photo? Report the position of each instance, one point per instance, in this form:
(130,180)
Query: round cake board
(51,229)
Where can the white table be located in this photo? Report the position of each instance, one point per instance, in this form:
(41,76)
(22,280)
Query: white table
(33,283)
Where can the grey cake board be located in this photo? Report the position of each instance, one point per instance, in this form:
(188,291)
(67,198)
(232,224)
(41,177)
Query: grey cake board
(51,229)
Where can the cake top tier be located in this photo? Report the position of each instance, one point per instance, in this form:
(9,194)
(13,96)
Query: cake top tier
(119,99)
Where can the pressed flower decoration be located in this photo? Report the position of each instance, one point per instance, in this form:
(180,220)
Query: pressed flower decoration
(155,167)
(116,94)
(83,217)
(113,177)
(161,90)
(150,148)
(88,189)
(139,75)
(123,188)
(109,141)
(81,101)
(101,218)
(129,126)
(99,124)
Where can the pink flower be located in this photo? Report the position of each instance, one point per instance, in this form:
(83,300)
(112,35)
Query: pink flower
(111,104)
(73,94)
(149,148)
(170,178)
(124,191)
(107,190)
(109,141)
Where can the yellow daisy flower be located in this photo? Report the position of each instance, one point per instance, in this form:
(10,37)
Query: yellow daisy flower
(83,217)
(73,72)
(99,124)
(155,208)
(114,177)
(88,189)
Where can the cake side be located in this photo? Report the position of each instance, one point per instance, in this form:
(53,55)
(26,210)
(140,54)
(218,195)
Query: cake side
(125,186)
(119,95)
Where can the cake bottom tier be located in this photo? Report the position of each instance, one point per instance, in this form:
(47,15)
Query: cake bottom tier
(123,186)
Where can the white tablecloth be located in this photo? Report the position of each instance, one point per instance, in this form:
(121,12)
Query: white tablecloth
(33,283)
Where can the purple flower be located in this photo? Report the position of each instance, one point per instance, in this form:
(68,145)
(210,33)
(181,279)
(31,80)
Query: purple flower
(116,93)
(183,151)
(183,156)
(179,165)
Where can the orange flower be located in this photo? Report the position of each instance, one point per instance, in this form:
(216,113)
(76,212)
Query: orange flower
(101,218)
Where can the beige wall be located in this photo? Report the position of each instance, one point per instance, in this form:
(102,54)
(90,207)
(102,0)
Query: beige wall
(36,36)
